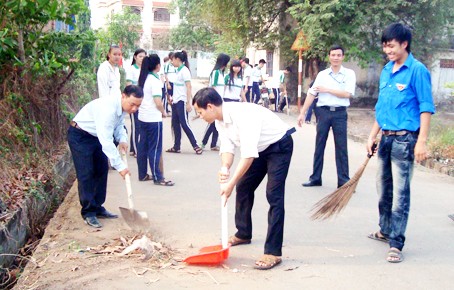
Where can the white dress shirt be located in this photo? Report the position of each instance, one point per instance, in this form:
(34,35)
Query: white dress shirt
(104,118)
(247,75)
(108,78)
(256,75)
(250,127)
(344,80)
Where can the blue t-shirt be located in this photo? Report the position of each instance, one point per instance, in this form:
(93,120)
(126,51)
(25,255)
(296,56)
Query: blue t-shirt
(403,96)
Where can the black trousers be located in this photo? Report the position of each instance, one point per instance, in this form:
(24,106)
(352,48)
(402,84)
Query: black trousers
(91,170)
(211,129)
(275,162)
(337,120)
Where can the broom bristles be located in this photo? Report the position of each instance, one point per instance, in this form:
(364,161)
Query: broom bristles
(335,202)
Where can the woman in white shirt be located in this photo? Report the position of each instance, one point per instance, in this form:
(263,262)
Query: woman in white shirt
(181,103)
(216,82)
(149,149)
(233,90)
(108,75)
(132,78)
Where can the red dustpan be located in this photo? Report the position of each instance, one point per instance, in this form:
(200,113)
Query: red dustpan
(213,255)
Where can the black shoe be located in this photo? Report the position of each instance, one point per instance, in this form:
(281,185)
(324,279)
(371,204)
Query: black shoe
(312,183)
(92,221)
(106,215)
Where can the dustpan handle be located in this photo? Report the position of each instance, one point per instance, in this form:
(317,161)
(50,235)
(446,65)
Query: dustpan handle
(224,221)
(128,182)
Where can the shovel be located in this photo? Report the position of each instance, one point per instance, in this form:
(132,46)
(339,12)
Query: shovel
(136,220)
(213,255)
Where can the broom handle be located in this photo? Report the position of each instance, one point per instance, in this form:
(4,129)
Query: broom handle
(374,146)
(224,217)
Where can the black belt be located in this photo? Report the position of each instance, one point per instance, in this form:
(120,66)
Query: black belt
(288,133)
(333,109)
(395,133)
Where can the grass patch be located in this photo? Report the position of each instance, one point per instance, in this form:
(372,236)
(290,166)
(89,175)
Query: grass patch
(441,140)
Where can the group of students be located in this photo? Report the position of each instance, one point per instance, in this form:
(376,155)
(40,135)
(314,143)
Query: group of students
(403,113)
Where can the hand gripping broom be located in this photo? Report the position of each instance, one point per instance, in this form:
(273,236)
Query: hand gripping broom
(335,202)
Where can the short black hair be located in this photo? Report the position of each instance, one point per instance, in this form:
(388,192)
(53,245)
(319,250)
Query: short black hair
(336,47)
(262,61)
(288,69)
(207,96)
(133,90)
(398,32)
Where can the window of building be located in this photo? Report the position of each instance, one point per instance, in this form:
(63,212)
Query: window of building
(269,63)
(161,14)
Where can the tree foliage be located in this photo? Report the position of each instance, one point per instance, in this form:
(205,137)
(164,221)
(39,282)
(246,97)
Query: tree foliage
(123,28)
(358,24)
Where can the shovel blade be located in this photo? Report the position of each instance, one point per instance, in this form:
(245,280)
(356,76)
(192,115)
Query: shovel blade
(136,220)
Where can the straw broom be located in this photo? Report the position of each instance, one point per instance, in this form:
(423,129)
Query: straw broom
(335,202)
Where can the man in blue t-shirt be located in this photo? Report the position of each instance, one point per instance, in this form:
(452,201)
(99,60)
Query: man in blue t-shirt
(402,113)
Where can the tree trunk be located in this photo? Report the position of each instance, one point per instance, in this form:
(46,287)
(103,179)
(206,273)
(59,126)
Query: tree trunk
(20,44)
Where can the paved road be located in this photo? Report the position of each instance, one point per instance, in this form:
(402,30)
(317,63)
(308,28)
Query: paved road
(333,254)
(317,255)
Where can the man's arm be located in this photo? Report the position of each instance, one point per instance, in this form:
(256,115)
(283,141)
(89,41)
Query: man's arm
(337,93)
(307,103)
(420,147)
(227,186)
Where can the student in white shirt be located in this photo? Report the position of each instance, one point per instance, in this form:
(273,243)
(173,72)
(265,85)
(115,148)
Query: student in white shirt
(256,78)
(108,75)
(90,139)
(132,78)
(181,104)
(233,90)
(266,148)
(217,82)
(170,73)
(247,78)
(151,113)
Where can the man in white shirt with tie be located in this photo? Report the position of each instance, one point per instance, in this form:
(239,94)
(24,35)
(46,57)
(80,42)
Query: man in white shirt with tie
(334,87)
(90,139)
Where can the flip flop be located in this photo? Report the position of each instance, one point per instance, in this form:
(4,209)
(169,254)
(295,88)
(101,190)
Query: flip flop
(198,150)
(235,241)
(173,150)
(395,256)
(268,261)
(375,236)
(146,178)
(164,182)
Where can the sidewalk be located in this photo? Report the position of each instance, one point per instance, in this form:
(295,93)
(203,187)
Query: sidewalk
(334,254)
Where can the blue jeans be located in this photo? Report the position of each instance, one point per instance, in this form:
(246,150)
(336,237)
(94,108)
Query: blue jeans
(149,149)
(91,170)
(248,94)
(180,120)
(395,170)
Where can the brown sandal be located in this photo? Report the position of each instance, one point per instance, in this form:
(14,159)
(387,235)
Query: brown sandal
(267,262)
(235,241)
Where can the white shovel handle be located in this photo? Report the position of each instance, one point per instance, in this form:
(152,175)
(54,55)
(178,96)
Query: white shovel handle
(128,182)
(224,220)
